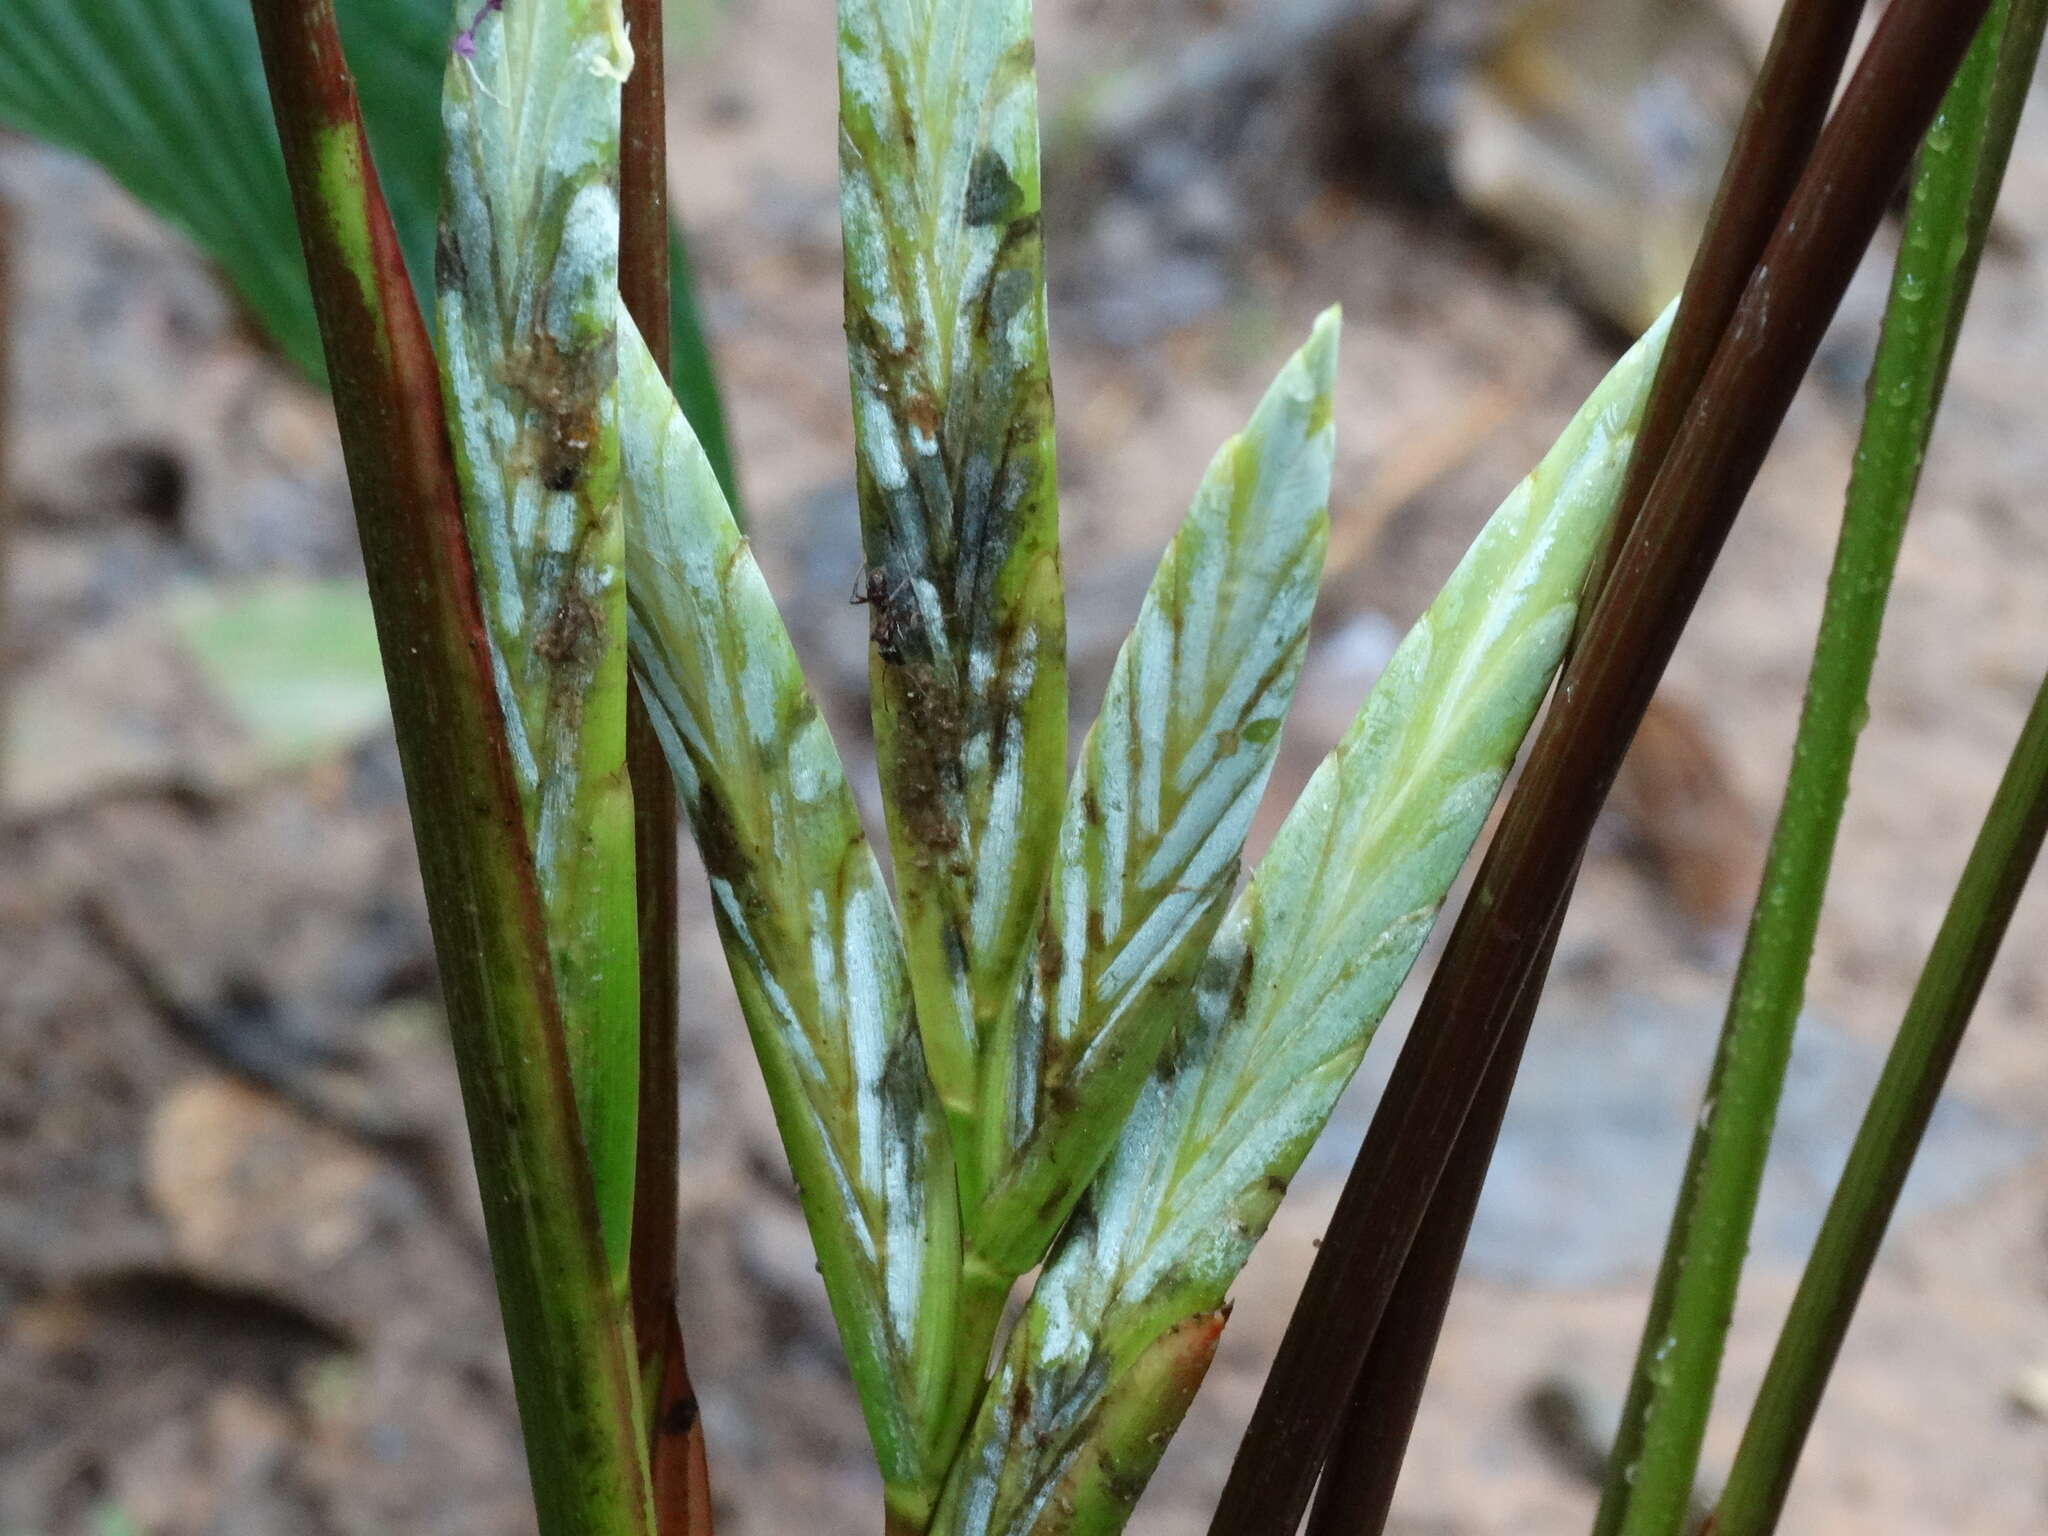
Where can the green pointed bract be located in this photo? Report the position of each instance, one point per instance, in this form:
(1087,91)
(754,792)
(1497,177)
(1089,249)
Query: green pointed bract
(1297,979)
(1111,1432)
(945,321)
(527,272)
(808,930)
(1156,820)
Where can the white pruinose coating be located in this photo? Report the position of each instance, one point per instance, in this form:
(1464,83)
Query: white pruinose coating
(1169,778)
(526,309)
(526,280)
(806,922)
(1296,980)
(952,406)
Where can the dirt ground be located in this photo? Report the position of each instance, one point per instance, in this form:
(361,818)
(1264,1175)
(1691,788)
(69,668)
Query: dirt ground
(242,1287)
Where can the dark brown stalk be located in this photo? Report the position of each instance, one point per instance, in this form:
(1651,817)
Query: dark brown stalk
(1494,947)
(1787,108)
(643,284)
(1786,111)
(682,1495)
(570,1362)
(1357,1487)
(643,181)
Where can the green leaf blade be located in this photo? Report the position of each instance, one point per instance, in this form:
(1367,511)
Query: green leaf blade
(807,928)
(1297,979)
(196,144)
(945,307)
(1169,779)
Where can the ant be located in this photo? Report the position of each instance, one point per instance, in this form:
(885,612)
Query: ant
(894,616)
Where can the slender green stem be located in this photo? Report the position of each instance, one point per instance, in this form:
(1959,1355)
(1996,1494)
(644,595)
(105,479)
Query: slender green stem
(1927,1040)
(571,1359)
(1787,109)
(1495,947)
(1890,1135)
(1649,1485)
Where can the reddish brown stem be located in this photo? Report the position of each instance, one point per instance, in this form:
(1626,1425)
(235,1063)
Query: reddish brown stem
(1357,1489)
(1787,110)
(643,182)
(682,1480)
(682,1496)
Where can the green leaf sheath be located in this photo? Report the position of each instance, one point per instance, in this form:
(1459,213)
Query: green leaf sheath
(952,404)
(807,927)
(1298,976)
(570,1353)
(1157,815)
(528,274)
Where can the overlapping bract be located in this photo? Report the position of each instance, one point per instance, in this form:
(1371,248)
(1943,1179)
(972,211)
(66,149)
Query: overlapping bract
(952,396)
(1169,778)
(1159,808)
(806,922)
(1294,985)
(527,272)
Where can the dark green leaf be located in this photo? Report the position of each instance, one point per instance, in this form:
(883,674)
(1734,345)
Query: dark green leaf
(168,97)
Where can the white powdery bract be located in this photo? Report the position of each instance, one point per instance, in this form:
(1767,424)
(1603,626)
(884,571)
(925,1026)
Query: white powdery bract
(952,395)
(1168,781)
(806,923)
(526,276)
(1298,977)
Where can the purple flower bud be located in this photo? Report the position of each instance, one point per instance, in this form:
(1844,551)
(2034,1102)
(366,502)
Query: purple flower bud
(465,40)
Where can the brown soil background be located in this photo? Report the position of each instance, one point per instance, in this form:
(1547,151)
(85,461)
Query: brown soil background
(241,1281)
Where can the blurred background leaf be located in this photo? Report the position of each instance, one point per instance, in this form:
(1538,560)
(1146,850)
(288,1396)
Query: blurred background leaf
(295,660)
(168,96)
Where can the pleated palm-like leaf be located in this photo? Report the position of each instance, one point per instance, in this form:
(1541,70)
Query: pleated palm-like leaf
(945,319)
(168,97)
(807,927)
(1169,778)
(527,270)
(1120,1327)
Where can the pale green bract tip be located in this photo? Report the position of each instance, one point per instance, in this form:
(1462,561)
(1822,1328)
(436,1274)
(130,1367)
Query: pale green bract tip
(1157,816)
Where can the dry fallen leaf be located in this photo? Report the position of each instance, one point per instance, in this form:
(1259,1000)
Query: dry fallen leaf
(258,1198)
